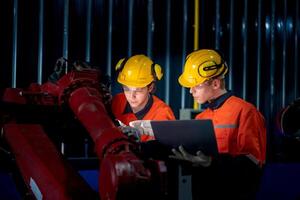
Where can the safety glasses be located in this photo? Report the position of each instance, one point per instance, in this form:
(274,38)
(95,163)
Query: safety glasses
(199,86)
(134,90)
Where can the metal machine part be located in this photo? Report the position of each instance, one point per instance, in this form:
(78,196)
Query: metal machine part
(289,120)
(123,174)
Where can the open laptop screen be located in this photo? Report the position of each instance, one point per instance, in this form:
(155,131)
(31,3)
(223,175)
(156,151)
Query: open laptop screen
(194,135)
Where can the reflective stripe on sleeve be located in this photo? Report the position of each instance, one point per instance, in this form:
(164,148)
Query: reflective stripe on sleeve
(253,159)
(226,126)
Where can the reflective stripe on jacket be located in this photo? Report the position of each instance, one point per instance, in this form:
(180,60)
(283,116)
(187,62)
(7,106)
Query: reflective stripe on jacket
(239,128)
(158,111)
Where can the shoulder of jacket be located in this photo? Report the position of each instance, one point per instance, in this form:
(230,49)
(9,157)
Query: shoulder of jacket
(158,101)
(243,104)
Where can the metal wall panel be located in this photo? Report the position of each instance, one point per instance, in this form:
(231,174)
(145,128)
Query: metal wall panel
(15,44)
(259,39)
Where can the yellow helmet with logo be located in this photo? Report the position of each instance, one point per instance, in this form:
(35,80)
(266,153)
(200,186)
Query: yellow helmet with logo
(138,71)
(200,66)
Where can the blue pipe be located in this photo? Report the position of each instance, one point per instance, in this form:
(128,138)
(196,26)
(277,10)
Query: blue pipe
(245,48)
(296,82)
(283,83)
(109,37)
(231,45)
(66,31)
(88,31)
(168,31)
(150,28)
(40,44)
(130,19)
(184,41)
(258,56)
(15,45)
(217,32)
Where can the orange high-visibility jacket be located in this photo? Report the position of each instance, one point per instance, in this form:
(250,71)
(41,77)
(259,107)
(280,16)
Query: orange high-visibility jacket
(239,128)
(158,111)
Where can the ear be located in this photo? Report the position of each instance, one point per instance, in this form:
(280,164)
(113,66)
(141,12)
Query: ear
(216,83)
(151,87)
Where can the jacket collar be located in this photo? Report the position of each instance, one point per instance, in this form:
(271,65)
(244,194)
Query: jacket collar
(218,102)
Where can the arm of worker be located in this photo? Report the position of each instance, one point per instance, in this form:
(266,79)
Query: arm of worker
(247,166)
(251,145)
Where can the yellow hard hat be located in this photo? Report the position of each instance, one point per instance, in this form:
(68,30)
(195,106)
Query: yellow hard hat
(138,71)
(200,66)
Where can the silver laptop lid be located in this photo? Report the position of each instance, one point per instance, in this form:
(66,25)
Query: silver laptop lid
(194,135)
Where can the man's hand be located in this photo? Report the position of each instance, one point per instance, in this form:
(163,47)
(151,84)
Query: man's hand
(137,129)
(131,132)
(197,160)
(144,125)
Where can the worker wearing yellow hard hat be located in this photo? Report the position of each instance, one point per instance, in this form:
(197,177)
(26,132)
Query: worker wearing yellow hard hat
(201,66)
(239,129)
(138,75)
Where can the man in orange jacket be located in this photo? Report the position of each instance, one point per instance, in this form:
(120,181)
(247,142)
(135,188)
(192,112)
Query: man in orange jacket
(239,128)
(138,75)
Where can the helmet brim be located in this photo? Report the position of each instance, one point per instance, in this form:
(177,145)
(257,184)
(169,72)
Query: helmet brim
(133,84)
(188,83)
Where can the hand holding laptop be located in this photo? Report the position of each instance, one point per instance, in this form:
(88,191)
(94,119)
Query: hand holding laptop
(200,159)
(188,140)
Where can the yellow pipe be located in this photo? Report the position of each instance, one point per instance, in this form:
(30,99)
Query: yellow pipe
(196,36)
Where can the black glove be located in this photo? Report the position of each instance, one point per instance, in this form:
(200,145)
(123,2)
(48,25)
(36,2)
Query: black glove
(197,160)
(131,132)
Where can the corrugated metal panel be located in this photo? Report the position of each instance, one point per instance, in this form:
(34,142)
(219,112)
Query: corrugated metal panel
(109,38)
(258,55)
(66,30)
(130,21)
(184,46)
(245,48)
(88,31)
(150,28)
(168,52)
(259,40)
(41,42)
(15,44)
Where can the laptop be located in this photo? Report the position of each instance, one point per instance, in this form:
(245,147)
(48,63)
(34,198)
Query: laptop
(193,135)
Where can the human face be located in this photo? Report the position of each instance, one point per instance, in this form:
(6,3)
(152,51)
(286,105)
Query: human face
(203,92)
(137,97)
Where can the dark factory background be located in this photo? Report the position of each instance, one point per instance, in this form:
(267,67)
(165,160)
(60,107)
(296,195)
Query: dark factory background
(259,39)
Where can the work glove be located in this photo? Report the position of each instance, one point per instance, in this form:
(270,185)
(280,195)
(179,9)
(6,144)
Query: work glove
(137,129)
(199,159)
(131,132)
(144,126)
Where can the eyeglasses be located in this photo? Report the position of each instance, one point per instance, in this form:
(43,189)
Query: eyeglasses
(208,82)
(134,90)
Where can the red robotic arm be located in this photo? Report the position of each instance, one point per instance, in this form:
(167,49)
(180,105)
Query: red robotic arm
(120,166)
